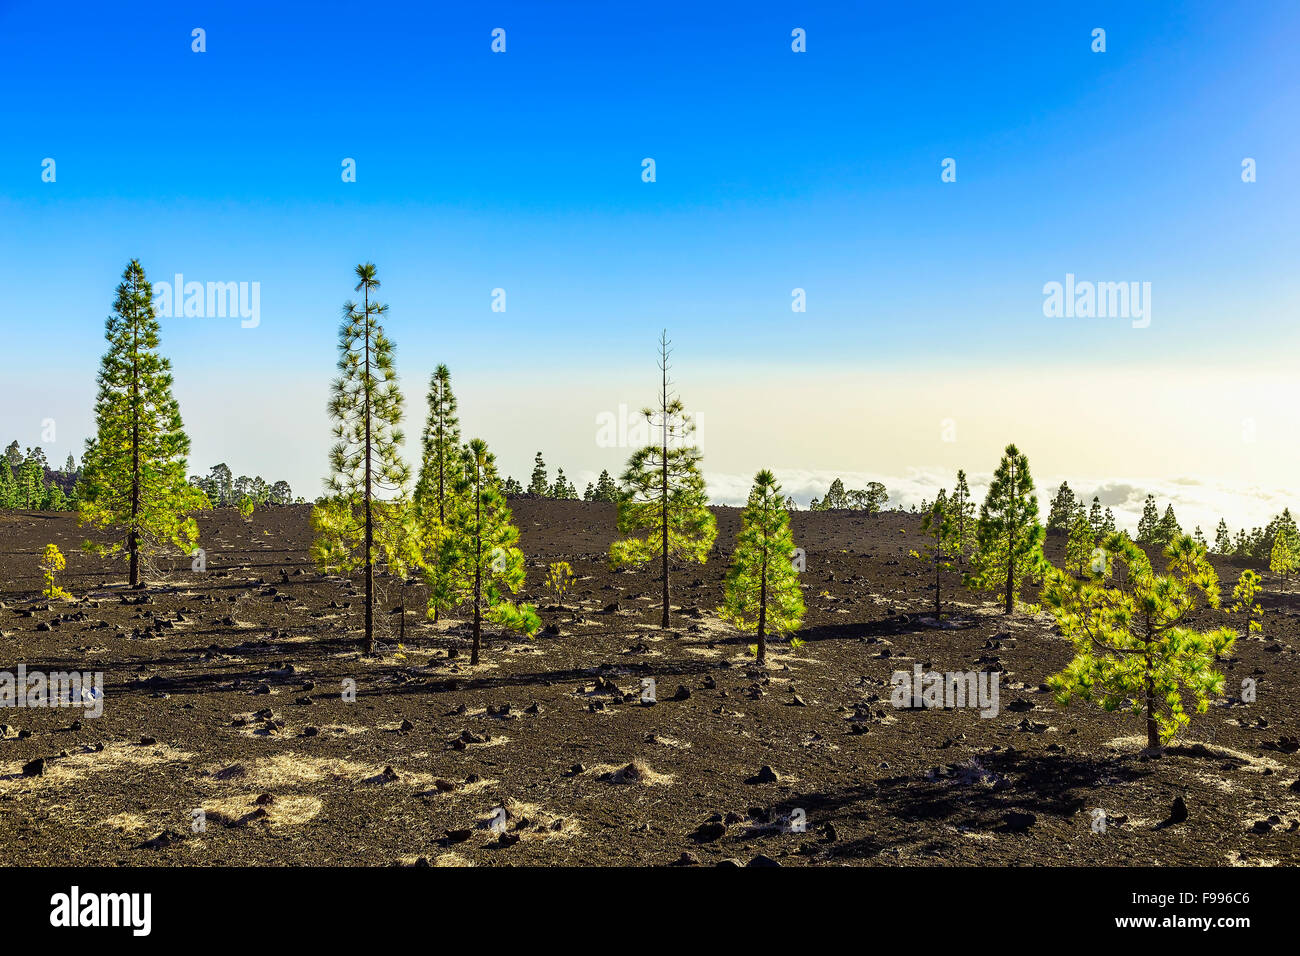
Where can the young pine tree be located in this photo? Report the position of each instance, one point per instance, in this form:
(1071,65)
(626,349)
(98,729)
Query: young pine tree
(1168,528)
(52,565)
(762,589)
(940,527)
(663,497)
(1095,518)
(481,562)
(1243,596)
(962,511)
(439,471)
(1285,555)
(1009,539)
(1131,648)
(1061,513)
(31,479)
(606,489)
(537,484)
(8,485)
(1080,544)
(1108,525)
(366,406)
(133,470)
(1149,523)
(1222,540)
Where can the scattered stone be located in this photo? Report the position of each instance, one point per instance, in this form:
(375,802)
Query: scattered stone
(765,775)
(1178,812)
(1017,822)
(34,768)
(708,832)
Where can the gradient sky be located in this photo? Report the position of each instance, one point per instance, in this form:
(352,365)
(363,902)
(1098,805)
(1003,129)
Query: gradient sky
(775,170)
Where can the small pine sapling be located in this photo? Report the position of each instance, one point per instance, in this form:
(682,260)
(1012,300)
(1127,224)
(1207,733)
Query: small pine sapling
(559,580)
(52,564)
(1243,598)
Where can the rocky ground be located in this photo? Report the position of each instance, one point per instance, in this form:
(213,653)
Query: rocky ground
(224,692)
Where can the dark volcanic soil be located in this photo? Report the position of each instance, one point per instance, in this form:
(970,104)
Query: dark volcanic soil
(224,693)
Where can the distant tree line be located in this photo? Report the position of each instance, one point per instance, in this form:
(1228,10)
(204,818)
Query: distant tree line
(871,499)
(223,490)
(28,482)
(562,489)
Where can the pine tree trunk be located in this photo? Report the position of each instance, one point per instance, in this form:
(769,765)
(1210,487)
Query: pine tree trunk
(663,491)
(938,613)
(369,537)
(478,568)
(133,537)
(1011,540)
(442,517)
(1153,731)
(762,614)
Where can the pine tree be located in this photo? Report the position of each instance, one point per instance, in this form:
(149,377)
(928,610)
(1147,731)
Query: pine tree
(1248,587)
(14,456)
(1285,555)
(606,489)
(762,589)
(1146,532)
(133,470)
(52,564)
(538,484)
(1222,541)
(440,460)
(940,526)
(31,480)
(441,453)
(1080,544)
(1062,510)
(663,497)
(1009,539)
(590,493)
(962,510)
(481,561)
(1131,648)
(8,485)
(512,488)
(366,406)
(1168,528)
(1095,518)
(562,489)
(1108,525)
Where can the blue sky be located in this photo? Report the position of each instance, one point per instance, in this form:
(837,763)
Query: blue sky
(775,170)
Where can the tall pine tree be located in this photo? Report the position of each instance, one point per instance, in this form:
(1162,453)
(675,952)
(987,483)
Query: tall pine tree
(439,472)
(663,498)
(133,470)
(366,406)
